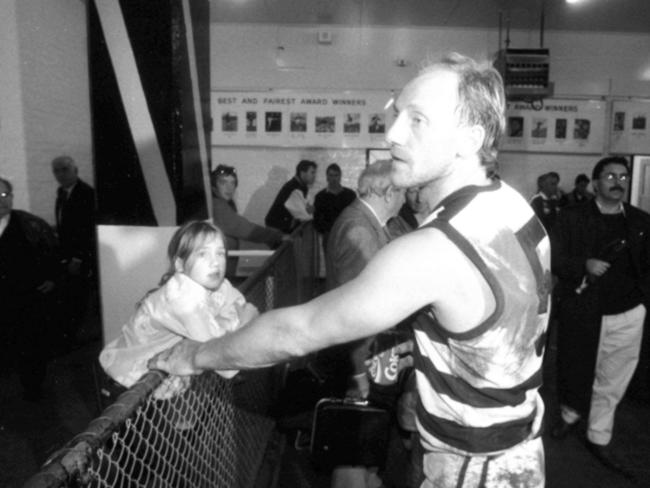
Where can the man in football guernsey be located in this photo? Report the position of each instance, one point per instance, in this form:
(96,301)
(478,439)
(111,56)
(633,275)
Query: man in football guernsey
(477,270)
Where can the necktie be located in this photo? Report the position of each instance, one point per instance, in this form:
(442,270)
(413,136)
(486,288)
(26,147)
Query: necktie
(61,197)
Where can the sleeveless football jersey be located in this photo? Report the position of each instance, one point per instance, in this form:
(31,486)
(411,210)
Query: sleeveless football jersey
(479,389)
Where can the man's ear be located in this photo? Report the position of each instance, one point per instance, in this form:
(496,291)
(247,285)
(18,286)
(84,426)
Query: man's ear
(471,140)
(389,193)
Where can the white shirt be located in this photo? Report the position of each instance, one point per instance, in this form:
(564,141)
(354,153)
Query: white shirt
(4,222)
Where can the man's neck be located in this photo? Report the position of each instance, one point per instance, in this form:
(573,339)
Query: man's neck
(609,206)
(437,190)
(335,189)
(377,209)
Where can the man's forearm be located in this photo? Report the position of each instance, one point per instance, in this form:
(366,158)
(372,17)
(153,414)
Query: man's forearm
(286,333)
(271,338)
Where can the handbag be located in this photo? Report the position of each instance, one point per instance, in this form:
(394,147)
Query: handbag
(348,432)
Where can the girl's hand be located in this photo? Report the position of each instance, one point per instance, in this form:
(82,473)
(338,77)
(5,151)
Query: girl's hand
(178,359)
(246,312)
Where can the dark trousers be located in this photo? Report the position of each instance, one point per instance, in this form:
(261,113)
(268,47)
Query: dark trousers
(25,326)
(74,296)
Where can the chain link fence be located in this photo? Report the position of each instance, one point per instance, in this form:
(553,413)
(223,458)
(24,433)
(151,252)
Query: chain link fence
(206,431)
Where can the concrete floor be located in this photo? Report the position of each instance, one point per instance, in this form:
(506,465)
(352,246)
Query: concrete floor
(31,431)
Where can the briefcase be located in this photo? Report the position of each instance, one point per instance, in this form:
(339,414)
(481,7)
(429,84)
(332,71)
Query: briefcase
(349,433)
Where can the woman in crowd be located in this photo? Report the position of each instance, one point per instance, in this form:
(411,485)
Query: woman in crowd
(234,226)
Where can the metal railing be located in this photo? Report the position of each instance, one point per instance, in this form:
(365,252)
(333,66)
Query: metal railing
(210,432)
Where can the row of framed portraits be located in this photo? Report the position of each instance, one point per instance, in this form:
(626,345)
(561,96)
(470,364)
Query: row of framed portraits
(301,119)
(360,119)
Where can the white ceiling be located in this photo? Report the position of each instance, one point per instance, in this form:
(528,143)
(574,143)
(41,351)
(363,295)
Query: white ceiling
(595,15)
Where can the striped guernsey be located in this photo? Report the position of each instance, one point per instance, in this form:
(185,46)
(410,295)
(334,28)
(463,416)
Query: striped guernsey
(479,389)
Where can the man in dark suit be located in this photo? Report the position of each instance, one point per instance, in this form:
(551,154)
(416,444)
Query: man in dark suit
(28,274)
(360,231)
(75,224)
(356,236)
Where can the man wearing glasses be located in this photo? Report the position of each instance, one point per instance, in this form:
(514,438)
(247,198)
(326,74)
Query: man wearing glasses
(28,267)
(601,255)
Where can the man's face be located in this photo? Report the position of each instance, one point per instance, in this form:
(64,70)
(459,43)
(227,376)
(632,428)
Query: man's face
(412,196)
(549,186)
(65,173)
(424,137)
(613,182)
(582,187)
(6,200)
(308,177)
(333,178)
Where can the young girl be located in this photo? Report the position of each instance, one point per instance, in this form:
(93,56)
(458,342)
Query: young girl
(193,300)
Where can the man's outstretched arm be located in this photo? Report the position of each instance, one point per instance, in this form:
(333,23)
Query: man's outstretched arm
(397,282)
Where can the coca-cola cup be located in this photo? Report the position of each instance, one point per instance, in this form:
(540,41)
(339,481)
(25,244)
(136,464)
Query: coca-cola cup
(383,367)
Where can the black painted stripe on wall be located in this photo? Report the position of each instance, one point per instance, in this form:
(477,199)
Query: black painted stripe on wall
(127,191)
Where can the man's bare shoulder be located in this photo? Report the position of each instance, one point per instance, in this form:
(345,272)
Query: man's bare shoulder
(425,258)
(424,268)
(425,245)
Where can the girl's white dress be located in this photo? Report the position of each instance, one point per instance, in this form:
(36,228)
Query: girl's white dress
(181,308)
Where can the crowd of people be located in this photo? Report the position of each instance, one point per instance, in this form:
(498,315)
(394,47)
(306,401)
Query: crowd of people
(430,246)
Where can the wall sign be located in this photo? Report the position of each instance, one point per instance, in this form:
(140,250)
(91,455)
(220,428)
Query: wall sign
(571,126)
(301,119)
(630,133)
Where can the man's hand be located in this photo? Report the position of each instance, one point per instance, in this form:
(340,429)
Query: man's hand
(178,359)
(596,267)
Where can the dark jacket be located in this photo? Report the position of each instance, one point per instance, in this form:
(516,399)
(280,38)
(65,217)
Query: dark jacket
(328,206)
(75,222)
(404,223)
(355,238)
(278,216)
(574,239)
(34,263)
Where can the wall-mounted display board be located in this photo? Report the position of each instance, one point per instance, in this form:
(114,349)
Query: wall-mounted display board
(560,126)
(348,119)
(629,131)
